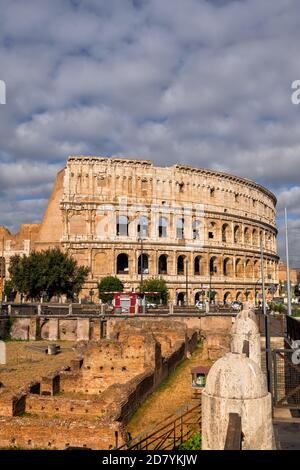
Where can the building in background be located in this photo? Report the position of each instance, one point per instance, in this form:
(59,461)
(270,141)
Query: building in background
(198,229)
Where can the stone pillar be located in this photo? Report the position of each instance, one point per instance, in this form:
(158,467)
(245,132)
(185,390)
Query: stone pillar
(236,384)
(2,352)
(34,328)
(246,329)
(83,329)
(53,329)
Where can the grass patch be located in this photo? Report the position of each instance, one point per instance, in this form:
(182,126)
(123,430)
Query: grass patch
(193,443)
(167,383)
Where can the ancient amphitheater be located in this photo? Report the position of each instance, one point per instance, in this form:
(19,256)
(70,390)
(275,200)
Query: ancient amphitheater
(195,227)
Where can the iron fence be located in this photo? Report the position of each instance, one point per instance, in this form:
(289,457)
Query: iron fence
(170,433)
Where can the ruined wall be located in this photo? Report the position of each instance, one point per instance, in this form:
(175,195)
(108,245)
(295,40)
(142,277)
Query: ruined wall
(41,433)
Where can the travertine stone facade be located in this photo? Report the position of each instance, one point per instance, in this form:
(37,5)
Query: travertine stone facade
(198,227)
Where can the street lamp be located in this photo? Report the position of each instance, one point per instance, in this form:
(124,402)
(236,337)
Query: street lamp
(212,271)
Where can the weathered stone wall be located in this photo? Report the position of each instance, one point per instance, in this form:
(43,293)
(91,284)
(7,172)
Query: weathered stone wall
(99,390)
(41,433)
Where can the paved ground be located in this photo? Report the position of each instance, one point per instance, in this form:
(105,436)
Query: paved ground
(25,365)
(172,394)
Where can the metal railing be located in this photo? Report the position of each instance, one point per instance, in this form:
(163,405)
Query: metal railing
(292,328)
(170,433)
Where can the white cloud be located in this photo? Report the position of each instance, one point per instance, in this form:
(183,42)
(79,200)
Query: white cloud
(195,81)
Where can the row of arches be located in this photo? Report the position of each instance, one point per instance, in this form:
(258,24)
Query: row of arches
(227,233)
(227,267)
(223,298)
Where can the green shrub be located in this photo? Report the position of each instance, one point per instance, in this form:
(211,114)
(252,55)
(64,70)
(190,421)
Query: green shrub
(193,443)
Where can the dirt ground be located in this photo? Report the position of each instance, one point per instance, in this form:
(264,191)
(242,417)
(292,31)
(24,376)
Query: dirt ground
(25,365)
(175,392)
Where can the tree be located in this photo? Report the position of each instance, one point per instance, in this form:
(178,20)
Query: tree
(9,291)
(49,272)
(109,284)
(155,284)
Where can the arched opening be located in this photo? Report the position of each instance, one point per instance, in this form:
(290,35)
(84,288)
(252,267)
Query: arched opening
(225,233)
(162,227)
(213,265)
(162,264)
(254,237)
(180,264)
(249,269)
(180,298)
(238,296)
(197,266)
(238,268)
(237,234)
(122,226)
(197,297)
(142,227)
(256,269)
(227,267)
(122,264)
(196,229)
(143,264)
(247,236)
(211,230)
(227,298)
(180,229)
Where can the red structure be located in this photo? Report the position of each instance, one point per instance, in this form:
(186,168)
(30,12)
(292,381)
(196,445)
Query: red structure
(125,302)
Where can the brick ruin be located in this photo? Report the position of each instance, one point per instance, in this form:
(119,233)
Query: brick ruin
(89,403)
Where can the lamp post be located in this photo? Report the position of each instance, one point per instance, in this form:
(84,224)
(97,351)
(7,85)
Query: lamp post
(266,316)
(211,272)
(186,282)
(140,239)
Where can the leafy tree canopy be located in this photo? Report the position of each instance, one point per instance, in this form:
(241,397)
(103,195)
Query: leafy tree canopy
(155,284)
(9,291)
(48,273)
(109,284)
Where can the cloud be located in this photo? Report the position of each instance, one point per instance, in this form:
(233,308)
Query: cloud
(201,82)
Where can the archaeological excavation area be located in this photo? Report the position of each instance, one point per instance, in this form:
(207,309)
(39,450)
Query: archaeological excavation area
(89,398)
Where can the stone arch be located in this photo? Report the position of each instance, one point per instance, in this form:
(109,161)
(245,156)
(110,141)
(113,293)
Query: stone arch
(227,297)
(163,264)
(227,267)
(196,229)
(44,329)
(255,237)
(180,228)
(122,263)
(122,226)
(143,227)
(143,264)
(197,265)
(238,296)
(162,227)
(180,298)
(213,265)
(212,229)
(181,265)
(239,272)
(249,268)
(256,269)
(225,233)
(237,234)
(247,236)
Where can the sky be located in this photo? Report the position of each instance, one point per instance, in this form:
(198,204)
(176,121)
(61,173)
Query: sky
(199,82)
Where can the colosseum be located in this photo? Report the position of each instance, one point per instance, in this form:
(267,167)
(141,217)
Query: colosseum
(198,229)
